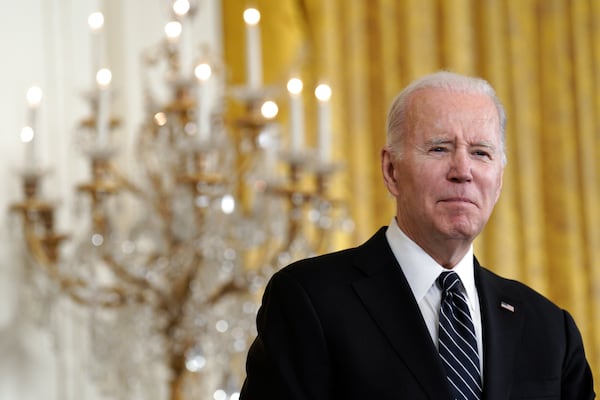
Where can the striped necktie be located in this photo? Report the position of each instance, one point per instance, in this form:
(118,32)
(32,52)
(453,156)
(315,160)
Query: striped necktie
(457,342)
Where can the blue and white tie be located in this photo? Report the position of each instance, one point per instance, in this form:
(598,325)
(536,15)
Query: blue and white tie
(457,341)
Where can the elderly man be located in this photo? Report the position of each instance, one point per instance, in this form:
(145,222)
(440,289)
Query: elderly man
(411,314)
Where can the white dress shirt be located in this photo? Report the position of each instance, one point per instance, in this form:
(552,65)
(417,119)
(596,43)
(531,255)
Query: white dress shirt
(421,272)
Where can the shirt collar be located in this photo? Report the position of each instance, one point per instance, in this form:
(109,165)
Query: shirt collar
(421,270)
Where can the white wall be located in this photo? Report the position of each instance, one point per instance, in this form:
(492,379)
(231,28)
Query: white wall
(47,43)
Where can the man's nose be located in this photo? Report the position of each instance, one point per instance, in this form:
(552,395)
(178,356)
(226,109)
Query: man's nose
(460,169)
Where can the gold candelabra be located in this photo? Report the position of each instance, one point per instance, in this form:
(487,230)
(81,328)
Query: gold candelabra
(175,254)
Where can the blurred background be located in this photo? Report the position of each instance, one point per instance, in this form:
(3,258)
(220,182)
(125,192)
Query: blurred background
(143,212)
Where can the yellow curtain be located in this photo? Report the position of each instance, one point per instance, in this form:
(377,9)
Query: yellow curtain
(542,56)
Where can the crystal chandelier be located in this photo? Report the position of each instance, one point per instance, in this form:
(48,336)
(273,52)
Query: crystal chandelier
(174,252)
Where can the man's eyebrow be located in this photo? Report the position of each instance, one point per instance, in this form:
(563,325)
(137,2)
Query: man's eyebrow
(441,140)
(438,140)
(485,143)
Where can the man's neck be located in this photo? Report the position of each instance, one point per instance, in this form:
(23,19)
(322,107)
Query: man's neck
(447,252)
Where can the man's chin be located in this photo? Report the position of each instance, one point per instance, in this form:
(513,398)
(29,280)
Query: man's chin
(463,231)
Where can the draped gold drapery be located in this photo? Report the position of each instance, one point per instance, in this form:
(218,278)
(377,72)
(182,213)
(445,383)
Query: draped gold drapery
(542,56)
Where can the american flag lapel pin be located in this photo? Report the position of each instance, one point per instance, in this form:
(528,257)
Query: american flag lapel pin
(507,306)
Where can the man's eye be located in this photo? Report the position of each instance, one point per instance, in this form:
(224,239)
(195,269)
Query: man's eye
(481,153)
(438,149)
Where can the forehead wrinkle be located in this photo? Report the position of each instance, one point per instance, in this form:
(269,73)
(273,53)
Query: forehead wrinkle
(430,119)
(439,140)
(485,143)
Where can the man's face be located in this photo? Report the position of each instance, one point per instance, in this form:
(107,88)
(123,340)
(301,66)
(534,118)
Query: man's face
(449,174)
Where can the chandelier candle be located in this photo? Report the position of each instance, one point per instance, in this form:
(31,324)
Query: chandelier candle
(323,94)
(30,131)
(181,8)
(268,138)
(253,48)
(294,87)
(103,78)
(204,95)
(96,23)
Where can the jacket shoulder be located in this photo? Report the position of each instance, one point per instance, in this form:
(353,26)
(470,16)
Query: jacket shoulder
(525,295)
(349,263)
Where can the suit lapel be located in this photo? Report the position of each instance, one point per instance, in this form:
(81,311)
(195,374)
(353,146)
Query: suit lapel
(387,296)
(502,325)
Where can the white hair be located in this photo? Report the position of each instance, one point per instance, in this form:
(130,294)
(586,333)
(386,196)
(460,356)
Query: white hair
(398,113)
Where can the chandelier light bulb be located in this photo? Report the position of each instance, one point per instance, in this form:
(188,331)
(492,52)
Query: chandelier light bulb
(251,16)
(103,77)
(173,30)
(228,204)
(220,394)
(269,109)
(203,71)
(181,7)
(27,134)
(160,118)
(294,86)
(323,92)
(96,21)
(34,96)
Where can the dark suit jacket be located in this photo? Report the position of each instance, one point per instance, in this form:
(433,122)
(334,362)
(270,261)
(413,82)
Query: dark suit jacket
(346,326)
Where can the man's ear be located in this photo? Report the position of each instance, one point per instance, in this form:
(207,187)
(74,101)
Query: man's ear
(389,172)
